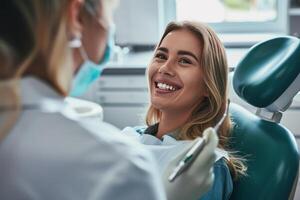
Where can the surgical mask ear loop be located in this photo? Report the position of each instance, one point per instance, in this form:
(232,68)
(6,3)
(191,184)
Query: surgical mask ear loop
(83,53)
(76,43)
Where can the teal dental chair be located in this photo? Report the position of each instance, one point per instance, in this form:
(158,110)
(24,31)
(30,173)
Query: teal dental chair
(268,77)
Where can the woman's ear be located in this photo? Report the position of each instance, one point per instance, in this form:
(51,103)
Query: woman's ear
(74,18)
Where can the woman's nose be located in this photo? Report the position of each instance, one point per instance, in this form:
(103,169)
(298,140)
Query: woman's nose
(167,69)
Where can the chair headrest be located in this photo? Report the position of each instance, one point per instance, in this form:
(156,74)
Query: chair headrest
(268,75)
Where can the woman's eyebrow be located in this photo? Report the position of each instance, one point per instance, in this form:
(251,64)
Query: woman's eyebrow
(182,52)
(164,49)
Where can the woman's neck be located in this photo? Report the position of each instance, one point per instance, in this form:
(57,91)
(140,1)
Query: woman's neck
(170,122)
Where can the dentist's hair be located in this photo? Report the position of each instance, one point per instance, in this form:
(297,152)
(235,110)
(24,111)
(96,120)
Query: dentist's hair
(210,110)
(34,41)
(35,31)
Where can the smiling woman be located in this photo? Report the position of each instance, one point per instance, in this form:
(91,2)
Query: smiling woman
(188,93)
(191,59)
(176,78)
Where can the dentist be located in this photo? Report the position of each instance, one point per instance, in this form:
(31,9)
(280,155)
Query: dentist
(48,50)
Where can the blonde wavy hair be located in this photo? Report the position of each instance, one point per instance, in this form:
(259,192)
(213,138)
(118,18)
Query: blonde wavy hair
(212,108)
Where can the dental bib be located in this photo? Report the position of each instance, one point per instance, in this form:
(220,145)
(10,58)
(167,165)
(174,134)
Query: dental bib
(166,149)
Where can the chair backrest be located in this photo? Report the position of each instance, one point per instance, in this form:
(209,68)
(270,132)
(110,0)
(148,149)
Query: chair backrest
(268,77)
(271,156)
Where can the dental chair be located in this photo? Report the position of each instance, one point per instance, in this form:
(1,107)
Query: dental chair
(268,77)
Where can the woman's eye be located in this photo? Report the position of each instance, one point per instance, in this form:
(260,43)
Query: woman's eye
(185,61)
(160,56)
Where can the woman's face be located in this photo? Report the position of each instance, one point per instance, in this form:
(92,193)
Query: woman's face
(175,74)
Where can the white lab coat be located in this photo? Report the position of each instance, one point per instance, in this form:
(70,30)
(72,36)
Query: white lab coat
(49,154)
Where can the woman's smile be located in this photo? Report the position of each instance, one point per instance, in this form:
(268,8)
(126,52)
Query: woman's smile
(163,86)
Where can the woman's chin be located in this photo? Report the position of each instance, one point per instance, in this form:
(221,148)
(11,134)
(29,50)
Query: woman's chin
(158,103)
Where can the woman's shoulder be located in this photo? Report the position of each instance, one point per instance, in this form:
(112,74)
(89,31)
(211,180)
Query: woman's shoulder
(223,185)
(221,163)
(222,171)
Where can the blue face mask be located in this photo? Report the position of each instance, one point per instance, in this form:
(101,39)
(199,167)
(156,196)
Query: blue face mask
(90,71)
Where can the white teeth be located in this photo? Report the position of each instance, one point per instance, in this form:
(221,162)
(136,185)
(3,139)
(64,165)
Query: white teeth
(164,86)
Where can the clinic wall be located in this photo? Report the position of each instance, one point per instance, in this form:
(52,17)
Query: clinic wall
(145,30)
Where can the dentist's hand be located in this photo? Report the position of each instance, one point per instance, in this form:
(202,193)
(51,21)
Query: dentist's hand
(198,178)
